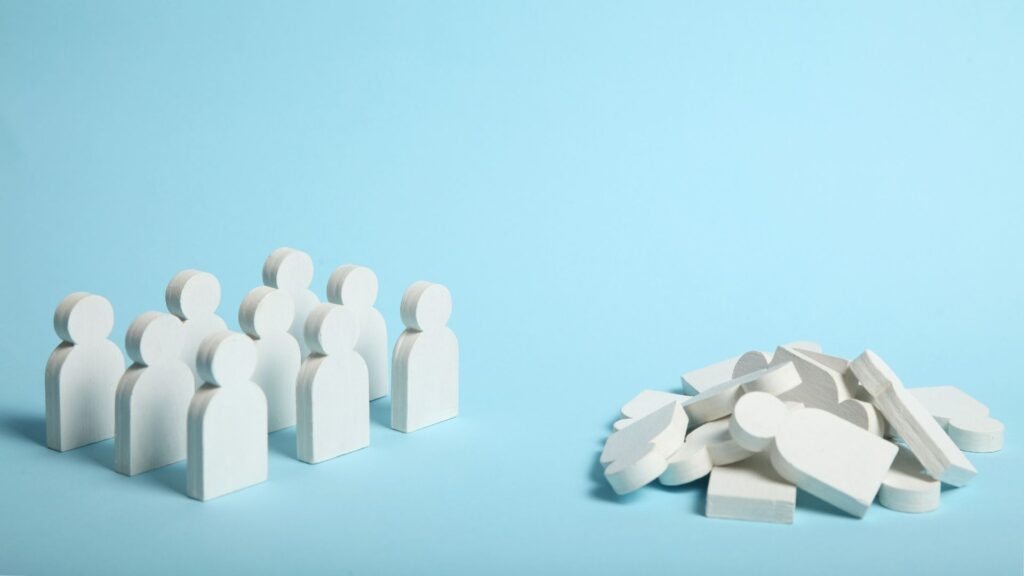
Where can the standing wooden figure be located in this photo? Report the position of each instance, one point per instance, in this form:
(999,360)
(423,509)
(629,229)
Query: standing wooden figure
(153,396)
(265,315)
(333,387)
(194,297)
(292,271)
(425,389)
(227,420)
(356,287)
(82,373)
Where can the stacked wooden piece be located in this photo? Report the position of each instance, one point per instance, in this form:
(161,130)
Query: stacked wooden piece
(762,425)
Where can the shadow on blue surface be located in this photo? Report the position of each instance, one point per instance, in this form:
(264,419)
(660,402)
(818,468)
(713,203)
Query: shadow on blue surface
(28,426)
(170,477)
(380,412)
(601,490)
(283,442)
(696,491)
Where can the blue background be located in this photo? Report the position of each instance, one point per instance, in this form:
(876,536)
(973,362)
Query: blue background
(615,193)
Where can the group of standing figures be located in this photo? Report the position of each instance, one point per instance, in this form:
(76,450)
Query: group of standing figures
(199,392)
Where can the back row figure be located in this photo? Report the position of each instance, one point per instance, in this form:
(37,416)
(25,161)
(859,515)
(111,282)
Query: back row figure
(199,392)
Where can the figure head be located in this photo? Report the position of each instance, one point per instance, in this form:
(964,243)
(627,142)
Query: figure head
(426,306)
(154,337)
(288,269)
(192,293)
(331,328)
(266,310)
(83,317)
(226,358)
(352,285)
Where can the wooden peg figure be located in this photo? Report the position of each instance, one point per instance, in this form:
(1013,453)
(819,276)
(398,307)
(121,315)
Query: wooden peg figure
(356,287)
(194,297)
(153,396)
(227,420)
(82,373)
(425,389)
(333,387)
(292,271)
(265,315)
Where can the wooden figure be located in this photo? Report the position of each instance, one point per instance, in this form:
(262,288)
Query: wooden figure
(266,315)
(194,296)
(907,488)
(829,386)
(750,362)
(750,490)
(648,401)
(911,420)
(636,456)
(82,373)
(356,287)
(292,271)
(718,401)
(227,419)
(153,396)
(699,380)
(965,419)
(425,389)
(333,387)
(706,446)
(831,458)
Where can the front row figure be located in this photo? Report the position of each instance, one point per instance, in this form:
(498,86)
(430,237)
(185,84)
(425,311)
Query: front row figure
(425,371)
(227,419)
(333,388)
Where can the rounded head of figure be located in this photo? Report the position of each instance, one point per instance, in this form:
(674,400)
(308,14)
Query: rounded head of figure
(352,285)
(288,269)
(192,294)
(426,306)
(226,358)
(331,328)
(154,337)
(266,310)
(83,317)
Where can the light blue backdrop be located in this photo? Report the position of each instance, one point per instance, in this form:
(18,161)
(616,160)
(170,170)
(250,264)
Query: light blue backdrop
(614,192)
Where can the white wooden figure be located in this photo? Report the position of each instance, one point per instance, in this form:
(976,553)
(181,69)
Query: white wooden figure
(266,315)
(425,386)
(831,458)
(827,385)
(82,373)
(356,287)
(907,488)
(821,387)
(648,401)
(227,419)
(635,456)
(696,381)
(750,490)
(151,408)
(965,419)
(756,419)
(292,271)
(194,296)
(750,362)
(333,387)
(622,423)
(718,401)
(911,420)
(706,446)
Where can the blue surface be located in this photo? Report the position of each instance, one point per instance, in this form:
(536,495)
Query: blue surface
(614,194)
